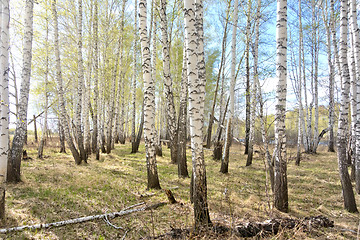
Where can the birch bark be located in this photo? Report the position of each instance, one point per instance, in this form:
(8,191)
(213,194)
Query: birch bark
(348,194)
(4,88)
(280,175)
(59,81)
(196,108)
(149,100)
(14,161)
(225,158)
(170,107)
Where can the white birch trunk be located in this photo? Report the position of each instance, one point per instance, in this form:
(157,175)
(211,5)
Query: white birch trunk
(356,46)
(80,84)
(133,136)
(4,88)
(328,24)
(254,100)
(196,114)
(170,107)
(149,100)
(44,130)
(63,115)
(14,161)
(225,157)
(280,178)
(348,194)
(95,136)
(301,118)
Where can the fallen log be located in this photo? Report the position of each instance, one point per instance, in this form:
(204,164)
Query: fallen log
(82,219)
(273,226)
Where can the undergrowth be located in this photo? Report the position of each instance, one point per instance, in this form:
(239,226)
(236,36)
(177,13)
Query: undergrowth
(55,189)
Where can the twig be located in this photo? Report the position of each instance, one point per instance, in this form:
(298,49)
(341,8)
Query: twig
(132,206)
(123,238)
(80,220)
(110,224)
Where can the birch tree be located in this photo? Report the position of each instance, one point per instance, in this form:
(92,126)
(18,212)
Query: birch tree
(182,122)
(356,38)
(94,144)
(46,83)
(300,121)
(280,178)
(14,162)
(62,110)
(196,96)
(347,191)
(134,145)
(254,90)
(170,107)
(149,100)
(80,83)
(4,87)
(225,157)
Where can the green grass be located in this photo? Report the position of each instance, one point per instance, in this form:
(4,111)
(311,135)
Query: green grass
(55,189)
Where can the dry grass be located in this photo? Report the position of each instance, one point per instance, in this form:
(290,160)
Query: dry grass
(55,189)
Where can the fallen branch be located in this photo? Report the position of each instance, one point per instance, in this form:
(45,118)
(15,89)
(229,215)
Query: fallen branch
(82,219)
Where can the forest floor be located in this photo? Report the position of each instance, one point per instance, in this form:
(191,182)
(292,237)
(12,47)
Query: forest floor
(55,189)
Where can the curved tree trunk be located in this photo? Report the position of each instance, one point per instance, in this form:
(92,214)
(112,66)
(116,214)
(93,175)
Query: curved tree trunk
(14,161)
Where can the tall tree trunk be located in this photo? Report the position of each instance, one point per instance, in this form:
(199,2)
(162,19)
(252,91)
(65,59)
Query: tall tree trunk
(353,104)
(221,69)
(44,130)
(348,194)
(14,162)
(316,45)
(196,96)
(301,118)
(356,35)
(149,101)
(4,88)
(79,132)
(133,136)
(254,89)
(182,122)
(225,158)
(96,111)
(328,23)
(170,112)
(120,91)
(247,66)
(280,179)
(62,109)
